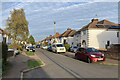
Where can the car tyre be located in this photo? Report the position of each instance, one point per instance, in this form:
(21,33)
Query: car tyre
(88,60)
(76,57)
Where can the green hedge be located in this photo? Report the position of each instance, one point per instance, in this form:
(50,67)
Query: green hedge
(4,56)
(16,46)
(67,46)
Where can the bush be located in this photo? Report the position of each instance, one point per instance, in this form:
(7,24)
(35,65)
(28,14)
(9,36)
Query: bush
(16,46)
(4,56)
(67,47)
(19,51)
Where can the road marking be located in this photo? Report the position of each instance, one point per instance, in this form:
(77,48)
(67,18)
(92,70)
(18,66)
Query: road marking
(76,75)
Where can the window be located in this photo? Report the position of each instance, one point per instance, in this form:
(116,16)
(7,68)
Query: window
(92,50)
(108,43)
(59,45)
(81,50)
(72,43)
(84,32)
(117,34)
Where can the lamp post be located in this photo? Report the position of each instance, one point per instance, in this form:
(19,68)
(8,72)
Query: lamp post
(54,27)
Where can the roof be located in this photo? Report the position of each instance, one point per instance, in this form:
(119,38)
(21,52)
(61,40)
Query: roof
(68,32)
(94,24)
(56,35)
(50,37)
(2,31)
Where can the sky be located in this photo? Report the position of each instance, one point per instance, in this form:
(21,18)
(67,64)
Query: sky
(75,15)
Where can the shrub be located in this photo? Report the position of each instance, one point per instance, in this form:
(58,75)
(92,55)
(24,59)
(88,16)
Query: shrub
(67,46)
(16,46)
(4,56)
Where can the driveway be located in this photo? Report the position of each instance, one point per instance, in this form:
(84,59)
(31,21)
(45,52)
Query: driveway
(60,66)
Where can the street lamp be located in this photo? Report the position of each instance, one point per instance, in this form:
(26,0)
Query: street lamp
(54,27)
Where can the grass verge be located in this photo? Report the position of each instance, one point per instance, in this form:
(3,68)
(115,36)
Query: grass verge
(30,53)
(33,63)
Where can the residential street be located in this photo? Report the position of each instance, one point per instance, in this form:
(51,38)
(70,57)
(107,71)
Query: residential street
(60,66)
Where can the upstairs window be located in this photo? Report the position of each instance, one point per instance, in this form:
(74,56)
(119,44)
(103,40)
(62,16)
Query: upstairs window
(84,32)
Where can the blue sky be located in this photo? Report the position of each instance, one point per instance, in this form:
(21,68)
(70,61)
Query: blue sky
(74,15)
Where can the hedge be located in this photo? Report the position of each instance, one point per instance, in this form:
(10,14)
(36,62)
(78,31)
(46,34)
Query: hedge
(4,56)
(67,46)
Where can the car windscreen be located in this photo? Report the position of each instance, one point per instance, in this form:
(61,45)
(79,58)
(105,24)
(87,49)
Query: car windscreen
(92,50)
(59,45)
(31,47)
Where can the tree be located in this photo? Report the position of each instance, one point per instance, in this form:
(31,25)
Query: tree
(31,40)
(17,25)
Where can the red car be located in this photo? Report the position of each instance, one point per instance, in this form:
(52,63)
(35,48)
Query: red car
(89,54)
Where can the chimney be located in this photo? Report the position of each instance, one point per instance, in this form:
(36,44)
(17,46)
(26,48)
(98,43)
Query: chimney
(68,29)
(94,20)
(57,33)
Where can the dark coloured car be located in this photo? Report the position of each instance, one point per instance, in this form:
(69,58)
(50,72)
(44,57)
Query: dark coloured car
(32,48)
(89,54)
(38,46)
(49,48)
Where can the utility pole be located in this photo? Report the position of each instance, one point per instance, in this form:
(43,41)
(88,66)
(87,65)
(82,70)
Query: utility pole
(54,27)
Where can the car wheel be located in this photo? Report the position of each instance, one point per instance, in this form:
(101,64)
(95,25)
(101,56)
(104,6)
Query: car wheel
(88,60)
(76,57)
(56,51)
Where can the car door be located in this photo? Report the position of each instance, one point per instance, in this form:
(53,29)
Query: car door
(83,54)
(79,53)
(53,48)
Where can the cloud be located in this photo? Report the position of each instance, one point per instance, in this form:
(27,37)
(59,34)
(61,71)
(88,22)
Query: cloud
(75,15)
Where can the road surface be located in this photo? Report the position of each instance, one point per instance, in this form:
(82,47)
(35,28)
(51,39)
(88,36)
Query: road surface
(60,66)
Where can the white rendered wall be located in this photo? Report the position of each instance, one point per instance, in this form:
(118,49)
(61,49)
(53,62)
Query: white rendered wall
(98,37)
(70,40)
(84,37)
(1,38)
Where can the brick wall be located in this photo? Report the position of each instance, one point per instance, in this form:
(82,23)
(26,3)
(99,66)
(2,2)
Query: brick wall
(114,51)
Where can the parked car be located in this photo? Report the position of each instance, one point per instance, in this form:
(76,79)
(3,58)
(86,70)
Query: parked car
(73,48)
(49,48)
(38,46)
(32,48)
(44,47)
(89,54)
(16,52)
(27,48)
(58,47)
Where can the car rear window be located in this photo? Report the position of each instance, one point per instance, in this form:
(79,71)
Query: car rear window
(92,50)
(31,47)
(59,45)
(75,47)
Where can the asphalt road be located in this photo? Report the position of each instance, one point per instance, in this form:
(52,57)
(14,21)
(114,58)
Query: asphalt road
(60,66)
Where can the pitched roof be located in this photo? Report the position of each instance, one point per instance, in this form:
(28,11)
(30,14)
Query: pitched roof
(50,37)
(58,35)
(95,22)
(67,33)
(55,35)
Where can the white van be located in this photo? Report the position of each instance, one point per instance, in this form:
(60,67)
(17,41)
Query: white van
(58,47)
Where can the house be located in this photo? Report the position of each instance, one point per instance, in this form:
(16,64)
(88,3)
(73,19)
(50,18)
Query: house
(55,39)
(4,37)
(97,34)
(49,39)
(67,37)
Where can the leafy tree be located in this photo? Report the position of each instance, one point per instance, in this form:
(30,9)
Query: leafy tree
(17,25)
(31,40)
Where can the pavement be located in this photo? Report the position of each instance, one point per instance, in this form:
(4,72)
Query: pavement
(18,64)
(60,66)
